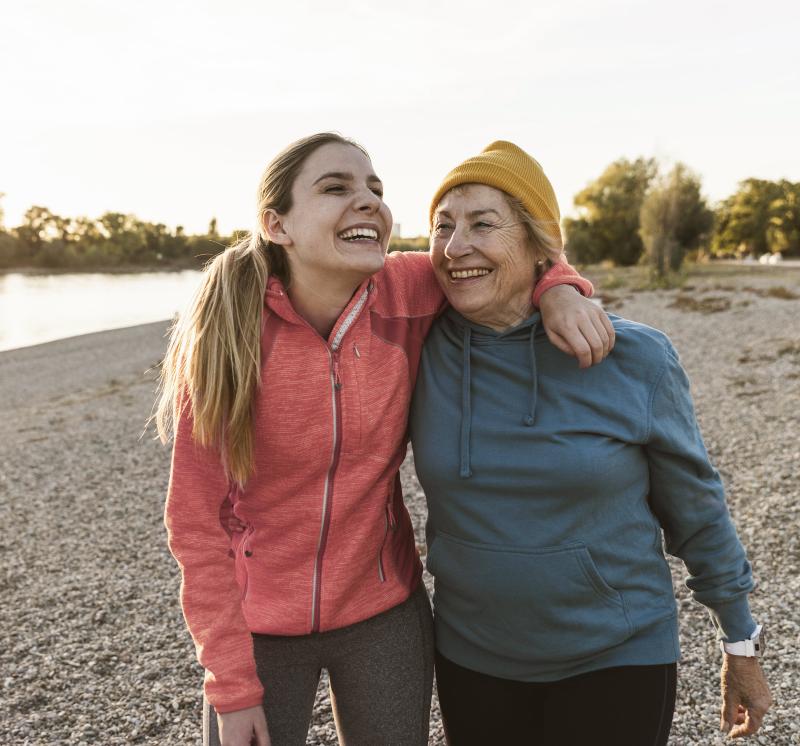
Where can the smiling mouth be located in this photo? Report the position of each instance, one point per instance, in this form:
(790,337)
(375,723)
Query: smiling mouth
(465,274)
(359,234)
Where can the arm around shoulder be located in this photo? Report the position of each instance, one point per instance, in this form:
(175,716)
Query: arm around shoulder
(574,324)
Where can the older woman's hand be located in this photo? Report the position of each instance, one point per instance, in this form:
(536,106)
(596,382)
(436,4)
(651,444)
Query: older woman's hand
(575,325)
(745,696)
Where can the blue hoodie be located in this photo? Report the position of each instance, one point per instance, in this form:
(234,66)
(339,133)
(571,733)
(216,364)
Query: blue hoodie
(548,489)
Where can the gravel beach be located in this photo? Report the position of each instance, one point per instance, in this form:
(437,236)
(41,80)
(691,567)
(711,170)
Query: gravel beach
(94,649)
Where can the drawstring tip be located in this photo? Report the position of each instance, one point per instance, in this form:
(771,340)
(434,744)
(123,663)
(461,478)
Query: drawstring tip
(465,473)
(529,420)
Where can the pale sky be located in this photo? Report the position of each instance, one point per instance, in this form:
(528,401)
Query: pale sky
(171,110)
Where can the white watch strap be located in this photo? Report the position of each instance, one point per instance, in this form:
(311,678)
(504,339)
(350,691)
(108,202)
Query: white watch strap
(745,648)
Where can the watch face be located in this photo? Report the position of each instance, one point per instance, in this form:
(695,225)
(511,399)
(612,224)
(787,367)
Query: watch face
(759,641)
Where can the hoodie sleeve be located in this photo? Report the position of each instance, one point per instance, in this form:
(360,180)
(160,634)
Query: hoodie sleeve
(210,596)
(562,273)
(688,498)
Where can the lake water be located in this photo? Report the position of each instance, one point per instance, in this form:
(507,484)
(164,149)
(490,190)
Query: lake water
(41,308)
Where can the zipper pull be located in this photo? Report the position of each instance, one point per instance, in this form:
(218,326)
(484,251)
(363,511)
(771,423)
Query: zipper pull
(390,515)
(337,381)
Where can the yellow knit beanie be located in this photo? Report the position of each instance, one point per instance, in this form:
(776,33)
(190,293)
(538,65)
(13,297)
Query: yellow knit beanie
(505,166)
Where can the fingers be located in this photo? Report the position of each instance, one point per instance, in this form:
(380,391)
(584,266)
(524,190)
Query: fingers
(261,732)
(558,341)
(576,345)
(752,722)
(602,335)
(609,327)
(602,316)
(595,337)
(729,711)
(262,737)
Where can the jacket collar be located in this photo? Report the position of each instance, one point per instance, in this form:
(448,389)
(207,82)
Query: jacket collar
(276,300)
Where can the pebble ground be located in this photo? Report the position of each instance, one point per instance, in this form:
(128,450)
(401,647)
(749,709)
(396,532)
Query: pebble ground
(93,645)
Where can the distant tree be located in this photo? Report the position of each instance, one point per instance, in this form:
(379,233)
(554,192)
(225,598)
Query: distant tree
(674,219)
(212,228)
(9,250)
(742,220)
(9,244)
(40,237)
(126,240)
(607,226)
(783,230)
(420,243)
(38,226)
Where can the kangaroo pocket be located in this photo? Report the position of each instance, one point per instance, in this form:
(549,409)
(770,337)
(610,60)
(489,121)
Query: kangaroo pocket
(545,605)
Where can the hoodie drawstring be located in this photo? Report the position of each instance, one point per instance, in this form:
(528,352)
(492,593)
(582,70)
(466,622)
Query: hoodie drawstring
(534,380)
(465,467)
(466,407)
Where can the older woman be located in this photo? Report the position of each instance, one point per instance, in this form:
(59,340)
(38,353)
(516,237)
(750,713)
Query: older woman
(548,489)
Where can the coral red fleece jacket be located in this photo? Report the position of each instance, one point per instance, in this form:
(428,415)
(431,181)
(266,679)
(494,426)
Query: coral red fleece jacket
(328,541)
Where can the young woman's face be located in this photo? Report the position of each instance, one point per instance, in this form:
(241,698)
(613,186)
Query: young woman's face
(481,256)
(338,222)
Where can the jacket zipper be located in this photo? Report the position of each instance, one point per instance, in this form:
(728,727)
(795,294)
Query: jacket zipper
(389,523)
(336,385)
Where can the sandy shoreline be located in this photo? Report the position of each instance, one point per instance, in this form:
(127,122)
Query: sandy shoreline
(95,650)
(68,366)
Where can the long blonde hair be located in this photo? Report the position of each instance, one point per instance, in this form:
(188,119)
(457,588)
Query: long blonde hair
(213,360)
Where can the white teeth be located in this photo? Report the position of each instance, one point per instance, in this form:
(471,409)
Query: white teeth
(353,233)
(464,273)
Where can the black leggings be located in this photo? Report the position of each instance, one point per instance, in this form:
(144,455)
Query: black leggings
(624,706)
(380,673)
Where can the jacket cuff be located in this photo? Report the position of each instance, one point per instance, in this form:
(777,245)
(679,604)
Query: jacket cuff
(562,274)
(235,692)
(733,620)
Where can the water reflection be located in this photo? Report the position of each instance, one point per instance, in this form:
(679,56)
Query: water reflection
(41,308)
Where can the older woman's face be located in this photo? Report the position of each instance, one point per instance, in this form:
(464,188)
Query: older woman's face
(481,257)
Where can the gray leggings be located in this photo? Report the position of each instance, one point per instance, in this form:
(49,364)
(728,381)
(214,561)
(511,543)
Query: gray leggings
(381,679)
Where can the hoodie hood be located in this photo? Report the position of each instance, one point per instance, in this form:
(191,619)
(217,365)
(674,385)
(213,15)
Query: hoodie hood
(467,333)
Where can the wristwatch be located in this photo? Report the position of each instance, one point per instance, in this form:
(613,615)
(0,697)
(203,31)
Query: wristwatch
(752,648)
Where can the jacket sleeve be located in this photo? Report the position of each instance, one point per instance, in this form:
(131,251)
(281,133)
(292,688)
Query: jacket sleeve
(423,289)
(688,498)
(413,283)
(210,596)
(562,273)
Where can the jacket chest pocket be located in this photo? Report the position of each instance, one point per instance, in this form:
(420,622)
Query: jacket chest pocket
(384,393)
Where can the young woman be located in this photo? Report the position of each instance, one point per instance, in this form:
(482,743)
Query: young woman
(287,385)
